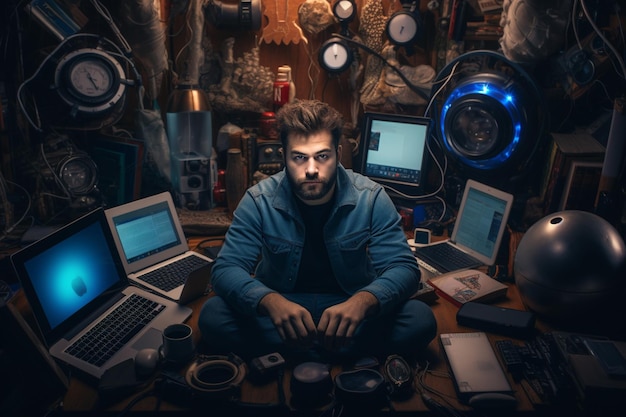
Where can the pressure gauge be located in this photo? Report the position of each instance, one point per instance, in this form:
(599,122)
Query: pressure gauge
(91,81)
(335,55)
(344,10)
(79,174)
(403,28)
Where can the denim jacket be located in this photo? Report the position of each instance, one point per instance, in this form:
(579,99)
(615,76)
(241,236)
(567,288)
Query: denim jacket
(366,244)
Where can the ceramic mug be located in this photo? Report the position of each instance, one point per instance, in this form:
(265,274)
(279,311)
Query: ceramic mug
(178,344)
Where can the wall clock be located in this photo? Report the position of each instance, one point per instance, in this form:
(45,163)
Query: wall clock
(90,80)
(335,55)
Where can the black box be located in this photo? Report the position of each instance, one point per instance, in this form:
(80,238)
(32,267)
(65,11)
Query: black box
(494,319)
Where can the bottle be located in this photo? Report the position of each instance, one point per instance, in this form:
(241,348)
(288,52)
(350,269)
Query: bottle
(286,69)
(223,141)
(236,182)
(284,87)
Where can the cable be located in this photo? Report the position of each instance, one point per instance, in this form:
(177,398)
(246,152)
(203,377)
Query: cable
(369,50)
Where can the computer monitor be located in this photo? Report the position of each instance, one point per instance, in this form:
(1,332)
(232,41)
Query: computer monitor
(394,152)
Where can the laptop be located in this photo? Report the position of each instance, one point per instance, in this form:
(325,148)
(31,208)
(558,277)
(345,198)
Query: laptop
(74,282)
(477,233)
(152,245)
(475,368)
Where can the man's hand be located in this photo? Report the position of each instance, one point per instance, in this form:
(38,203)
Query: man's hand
(339,322)
(293,322)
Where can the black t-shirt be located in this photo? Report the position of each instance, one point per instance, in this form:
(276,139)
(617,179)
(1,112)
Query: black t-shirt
(315,274)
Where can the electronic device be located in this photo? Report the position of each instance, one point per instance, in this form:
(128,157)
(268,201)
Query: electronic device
(477,233)
(477,374)
(235,14)
(421,237)
(73,280)
(149,238)
(495,319)
(394,152)
(190,172)
(597,365)
(269,157)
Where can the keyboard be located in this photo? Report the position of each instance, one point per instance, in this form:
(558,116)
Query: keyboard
(107,337)
(173,274)
(446,258)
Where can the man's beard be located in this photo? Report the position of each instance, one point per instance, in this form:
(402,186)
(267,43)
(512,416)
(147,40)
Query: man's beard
(308,193)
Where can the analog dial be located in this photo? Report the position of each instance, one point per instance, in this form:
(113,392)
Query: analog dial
(90,80)
(344,10)
(335,55)
(402,28)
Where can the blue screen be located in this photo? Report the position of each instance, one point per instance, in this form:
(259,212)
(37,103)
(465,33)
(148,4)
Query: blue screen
(75,271)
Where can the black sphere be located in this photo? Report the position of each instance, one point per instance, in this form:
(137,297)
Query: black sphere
(570,265)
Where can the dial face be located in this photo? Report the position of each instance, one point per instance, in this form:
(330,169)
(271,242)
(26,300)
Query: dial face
(78,174)
(402,28)
(91,78)
(335,56)
(344,10)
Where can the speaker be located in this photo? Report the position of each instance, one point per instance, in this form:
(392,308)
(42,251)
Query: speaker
(488,115)
(190,172)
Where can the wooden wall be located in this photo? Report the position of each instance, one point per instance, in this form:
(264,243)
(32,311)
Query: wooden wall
(311,81)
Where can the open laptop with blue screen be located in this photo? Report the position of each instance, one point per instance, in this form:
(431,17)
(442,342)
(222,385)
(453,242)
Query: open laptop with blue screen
(152,245)
(478,230)
(75,284)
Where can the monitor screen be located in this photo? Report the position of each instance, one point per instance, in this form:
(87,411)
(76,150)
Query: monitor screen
(394,152)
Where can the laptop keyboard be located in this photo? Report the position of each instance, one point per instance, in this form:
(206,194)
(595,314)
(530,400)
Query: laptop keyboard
(106,338)
(174,274)
(445,257)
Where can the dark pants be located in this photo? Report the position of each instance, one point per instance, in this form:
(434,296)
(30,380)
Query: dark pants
(407,331)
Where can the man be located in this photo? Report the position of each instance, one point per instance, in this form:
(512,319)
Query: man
(315,257)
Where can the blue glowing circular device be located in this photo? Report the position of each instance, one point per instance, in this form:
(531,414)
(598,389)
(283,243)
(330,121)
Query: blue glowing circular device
(488,115)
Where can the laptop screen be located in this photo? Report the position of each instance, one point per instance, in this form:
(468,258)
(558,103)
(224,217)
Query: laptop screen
(65,273)
(146,231)
(481,222)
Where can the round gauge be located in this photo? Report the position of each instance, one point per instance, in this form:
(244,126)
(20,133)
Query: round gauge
(398,370)
(335,55)
(79,174)
(344,10)
(402,28)
(90,80)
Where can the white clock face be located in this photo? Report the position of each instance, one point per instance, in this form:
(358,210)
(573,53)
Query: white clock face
(335,56)
(92,78)
(344,9)
(402,28)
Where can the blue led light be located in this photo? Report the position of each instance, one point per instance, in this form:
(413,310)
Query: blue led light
(506,99)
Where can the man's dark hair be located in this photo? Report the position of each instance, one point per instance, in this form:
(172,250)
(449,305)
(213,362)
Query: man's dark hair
(306,117)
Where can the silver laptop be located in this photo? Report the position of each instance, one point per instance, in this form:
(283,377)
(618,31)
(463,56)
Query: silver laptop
(474,365)
(74,282)
(478,230)
(150,240)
